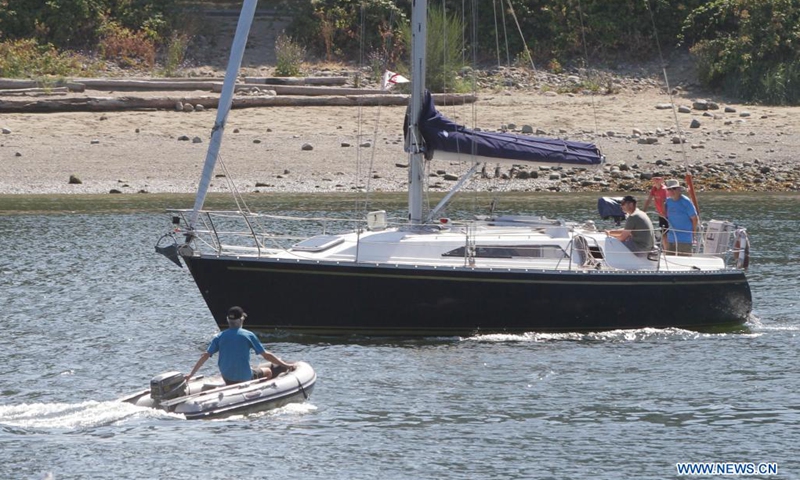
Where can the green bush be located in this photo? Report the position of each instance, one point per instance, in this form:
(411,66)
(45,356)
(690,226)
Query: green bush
(748,48)
(79,23)
(28,59)
(126,47)
(445,51)
(614,30)
(175,53)
(289,57)
(60,22)
(346,29)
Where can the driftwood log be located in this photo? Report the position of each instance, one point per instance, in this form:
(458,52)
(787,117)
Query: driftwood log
(334,81)
(106,104)
(135,84)
(35,91)
(15,84)
(303,90)
(167,84)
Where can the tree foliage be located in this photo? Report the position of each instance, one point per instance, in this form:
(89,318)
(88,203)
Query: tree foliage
(20,58)
(445,51)
(748,48)
(80,23)
(552,29)
(608,30)
(345,29)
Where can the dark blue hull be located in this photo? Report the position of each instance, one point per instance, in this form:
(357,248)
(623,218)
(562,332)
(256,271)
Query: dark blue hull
(332,298)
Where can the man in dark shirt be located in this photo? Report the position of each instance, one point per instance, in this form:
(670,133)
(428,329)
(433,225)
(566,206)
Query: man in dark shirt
(637,234)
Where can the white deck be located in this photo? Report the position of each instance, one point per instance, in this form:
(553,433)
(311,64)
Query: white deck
(522,248)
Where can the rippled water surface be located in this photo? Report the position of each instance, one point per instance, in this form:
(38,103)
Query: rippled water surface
(91,313)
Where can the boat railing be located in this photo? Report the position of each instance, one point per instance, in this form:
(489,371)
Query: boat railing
(256,233)
(714,239)
(718,239)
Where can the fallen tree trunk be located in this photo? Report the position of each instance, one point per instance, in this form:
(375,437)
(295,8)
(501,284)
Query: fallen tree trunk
(166,84)
(333,81)
(17,84)
(35,91)
(129,84)
(303,90)
(106,104)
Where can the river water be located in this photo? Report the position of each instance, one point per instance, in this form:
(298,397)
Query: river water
(91,313)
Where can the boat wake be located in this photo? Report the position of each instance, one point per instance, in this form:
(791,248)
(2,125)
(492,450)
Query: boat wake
(35,417)
(616,336)
(290,410)
(72,416)
(775,324)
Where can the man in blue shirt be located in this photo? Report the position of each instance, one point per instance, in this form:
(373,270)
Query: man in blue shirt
(682,217)
(234,345)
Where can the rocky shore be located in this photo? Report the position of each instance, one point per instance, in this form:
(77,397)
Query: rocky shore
(726,146)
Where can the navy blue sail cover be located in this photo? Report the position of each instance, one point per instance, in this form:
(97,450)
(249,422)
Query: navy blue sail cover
(610,207)
(441,133)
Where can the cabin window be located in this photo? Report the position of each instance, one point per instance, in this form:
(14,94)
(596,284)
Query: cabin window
(511,251)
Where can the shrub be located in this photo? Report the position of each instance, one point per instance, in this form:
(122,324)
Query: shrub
(63,23)
(613,29)
(555,66)
(127,48)
(444,51)
(289,56)
(748,48)
(346,28)
(28,59)
(174,53)
(80,23)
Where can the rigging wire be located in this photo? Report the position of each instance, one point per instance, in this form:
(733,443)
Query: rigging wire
(688,174)
(373,151)
(669,89)
(496,32)
(519,29)
(474,81)
(505,35)
(445,37)
(452,106)
(463,38)
(241,205)
(502,185)
(588,70)
(359,119)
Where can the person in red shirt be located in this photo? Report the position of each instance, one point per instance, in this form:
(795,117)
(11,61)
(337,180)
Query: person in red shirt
(658,195)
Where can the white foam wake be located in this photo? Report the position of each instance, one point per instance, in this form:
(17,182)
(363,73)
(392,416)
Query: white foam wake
(70,416)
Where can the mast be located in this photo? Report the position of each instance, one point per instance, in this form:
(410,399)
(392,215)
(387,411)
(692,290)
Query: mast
(414,143)
(225,101)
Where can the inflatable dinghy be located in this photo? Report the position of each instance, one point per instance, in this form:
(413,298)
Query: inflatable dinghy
(209,397)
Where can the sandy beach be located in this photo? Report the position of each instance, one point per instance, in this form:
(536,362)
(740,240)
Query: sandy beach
(738,148)
(741,149)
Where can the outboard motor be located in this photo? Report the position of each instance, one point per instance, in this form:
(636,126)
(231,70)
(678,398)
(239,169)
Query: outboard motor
(167,386)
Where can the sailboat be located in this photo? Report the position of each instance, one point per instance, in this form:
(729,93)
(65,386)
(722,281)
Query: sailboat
(432,276)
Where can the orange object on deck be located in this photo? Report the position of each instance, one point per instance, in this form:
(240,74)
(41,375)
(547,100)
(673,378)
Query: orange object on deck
(692,195)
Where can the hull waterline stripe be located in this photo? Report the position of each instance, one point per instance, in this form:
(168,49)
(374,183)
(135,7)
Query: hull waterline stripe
(732,325)
(666,281)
